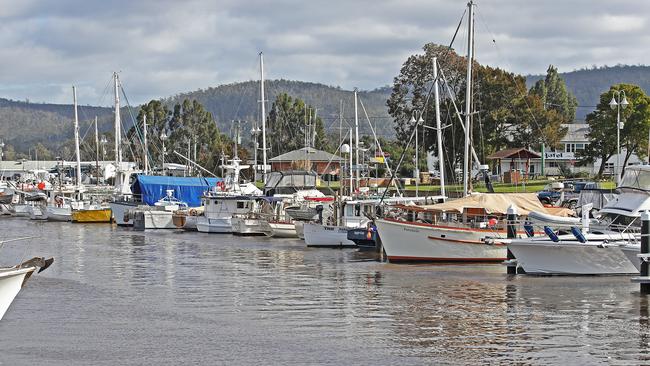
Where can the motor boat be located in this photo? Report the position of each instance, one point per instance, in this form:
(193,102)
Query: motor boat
(607,245)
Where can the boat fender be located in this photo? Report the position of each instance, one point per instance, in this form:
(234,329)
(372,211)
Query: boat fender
(578,234)
(530,231)
(126,217)
(551,234)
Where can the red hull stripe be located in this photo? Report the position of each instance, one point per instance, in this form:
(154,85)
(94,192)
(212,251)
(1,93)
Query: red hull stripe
(466,241)
(397,258)
(501,231)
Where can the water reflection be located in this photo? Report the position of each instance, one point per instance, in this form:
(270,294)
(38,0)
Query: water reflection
(264,298)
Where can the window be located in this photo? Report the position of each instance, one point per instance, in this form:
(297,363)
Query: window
(241,204)
(569,147)
(553,164)
(580,147)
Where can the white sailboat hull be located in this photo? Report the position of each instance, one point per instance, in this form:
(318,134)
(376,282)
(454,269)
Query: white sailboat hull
(571,258)
(300,229)
(11,281)
(37,213)
(278,229)
(21,210)
(247,226)
(214,225)
(59,213)
(407,241)
(317,235)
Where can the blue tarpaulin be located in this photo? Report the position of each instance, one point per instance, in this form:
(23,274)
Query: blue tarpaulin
(187,189)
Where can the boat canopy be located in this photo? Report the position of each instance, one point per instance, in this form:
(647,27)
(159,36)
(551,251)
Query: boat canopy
(186,189)
(493,203)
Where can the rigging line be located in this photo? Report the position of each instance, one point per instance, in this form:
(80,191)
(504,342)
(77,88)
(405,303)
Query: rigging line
(512,75)
(414,129)
(378,144)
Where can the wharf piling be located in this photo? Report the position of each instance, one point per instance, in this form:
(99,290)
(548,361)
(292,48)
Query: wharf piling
(511,229)
(644,255)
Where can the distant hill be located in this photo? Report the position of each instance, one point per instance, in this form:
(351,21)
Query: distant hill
(588,84)
(240,101)
(23,124)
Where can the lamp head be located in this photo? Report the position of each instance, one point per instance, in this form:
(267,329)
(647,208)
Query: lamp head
(613,103)
(624,102)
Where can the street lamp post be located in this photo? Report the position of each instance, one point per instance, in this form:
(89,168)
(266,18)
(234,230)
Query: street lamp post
(417,124)
(163,137)
(618,101)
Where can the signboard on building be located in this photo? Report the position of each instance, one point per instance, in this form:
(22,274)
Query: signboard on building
(560,155)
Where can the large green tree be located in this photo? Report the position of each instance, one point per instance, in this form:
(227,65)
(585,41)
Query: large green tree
(292,124)
(602,127)
(554,95)
(188,123)
(504,113)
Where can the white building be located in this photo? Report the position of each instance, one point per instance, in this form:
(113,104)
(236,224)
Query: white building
(564,155)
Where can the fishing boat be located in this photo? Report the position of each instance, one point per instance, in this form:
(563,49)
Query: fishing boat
(158,216)
(604,246)
(354,214)
(94,213)
(227,198)
(253,221)
(186,218)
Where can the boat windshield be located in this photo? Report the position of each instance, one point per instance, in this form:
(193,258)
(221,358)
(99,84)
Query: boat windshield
(637,179)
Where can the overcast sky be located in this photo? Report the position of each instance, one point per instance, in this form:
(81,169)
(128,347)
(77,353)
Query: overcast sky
(164,47)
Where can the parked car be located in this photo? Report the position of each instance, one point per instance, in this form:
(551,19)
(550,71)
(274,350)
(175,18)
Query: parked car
(550,196)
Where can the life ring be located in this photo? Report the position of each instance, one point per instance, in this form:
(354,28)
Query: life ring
(192,212)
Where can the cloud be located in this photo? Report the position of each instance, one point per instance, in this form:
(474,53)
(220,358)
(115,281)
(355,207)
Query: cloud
(165,47)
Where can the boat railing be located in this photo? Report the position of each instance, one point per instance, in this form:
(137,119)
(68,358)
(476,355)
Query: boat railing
(607,234)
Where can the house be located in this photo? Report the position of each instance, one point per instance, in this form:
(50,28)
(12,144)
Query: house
(564,156)
(307,158)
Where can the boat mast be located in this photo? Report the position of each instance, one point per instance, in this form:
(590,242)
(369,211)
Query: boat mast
(356,138)
(146,146)
(468,97)
(76,137)
(96,152)
(118,132)
(263,117)
(441,164)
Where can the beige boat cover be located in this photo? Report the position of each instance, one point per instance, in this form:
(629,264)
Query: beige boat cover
(497,203)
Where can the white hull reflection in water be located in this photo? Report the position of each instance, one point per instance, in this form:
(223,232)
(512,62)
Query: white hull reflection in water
(176,297)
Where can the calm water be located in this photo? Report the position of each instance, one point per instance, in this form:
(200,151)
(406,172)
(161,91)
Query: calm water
(115,296)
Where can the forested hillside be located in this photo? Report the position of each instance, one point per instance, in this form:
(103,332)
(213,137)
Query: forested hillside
(240,101)
(588,84)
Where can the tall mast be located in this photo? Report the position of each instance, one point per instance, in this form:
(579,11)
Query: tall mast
(468,97)
(351,174)
(356,137)
(146,146)
(76,137)
(441,162)
(96,152)
(118,132)
(263,117)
